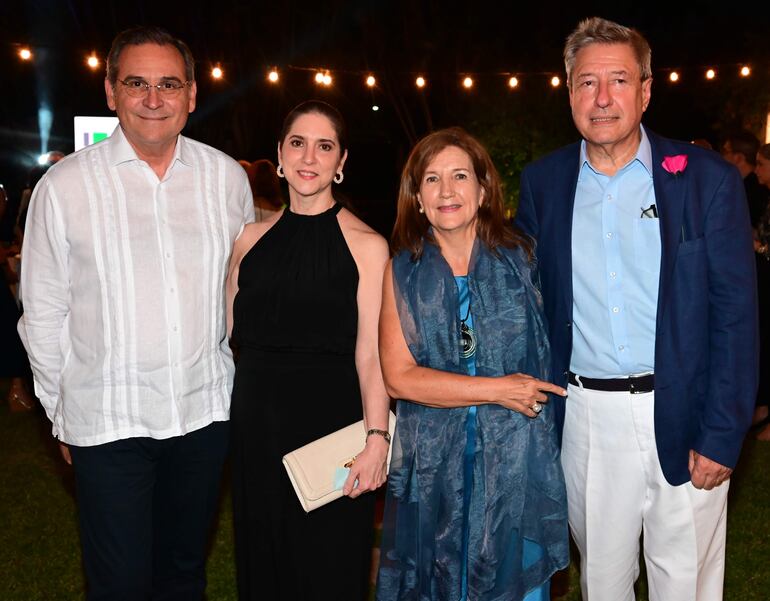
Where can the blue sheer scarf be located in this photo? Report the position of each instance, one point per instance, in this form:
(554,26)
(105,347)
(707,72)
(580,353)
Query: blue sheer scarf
(517,487)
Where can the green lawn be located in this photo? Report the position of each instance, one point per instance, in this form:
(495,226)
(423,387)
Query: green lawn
(40,559)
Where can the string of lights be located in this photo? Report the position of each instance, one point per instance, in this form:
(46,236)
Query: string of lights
(324,77)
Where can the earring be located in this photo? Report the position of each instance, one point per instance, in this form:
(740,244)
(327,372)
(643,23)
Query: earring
(279,170)
(338,177)
(420,209)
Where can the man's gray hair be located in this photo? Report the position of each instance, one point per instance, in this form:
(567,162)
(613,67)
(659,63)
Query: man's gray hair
(596,30)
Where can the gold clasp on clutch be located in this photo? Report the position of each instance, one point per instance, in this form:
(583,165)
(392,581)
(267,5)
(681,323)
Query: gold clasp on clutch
(350,463)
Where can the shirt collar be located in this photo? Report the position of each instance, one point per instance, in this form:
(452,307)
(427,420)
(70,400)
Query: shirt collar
(643,155)
(121,150)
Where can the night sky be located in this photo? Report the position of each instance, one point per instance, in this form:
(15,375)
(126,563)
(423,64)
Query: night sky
(444,41)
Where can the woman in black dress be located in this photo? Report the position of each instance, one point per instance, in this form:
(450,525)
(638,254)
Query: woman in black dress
(304,292)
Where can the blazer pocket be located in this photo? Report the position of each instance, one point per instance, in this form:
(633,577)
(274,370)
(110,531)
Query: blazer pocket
(691,246)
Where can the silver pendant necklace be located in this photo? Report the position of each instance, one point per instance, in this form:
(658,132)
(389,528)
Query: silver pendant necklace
(467,337)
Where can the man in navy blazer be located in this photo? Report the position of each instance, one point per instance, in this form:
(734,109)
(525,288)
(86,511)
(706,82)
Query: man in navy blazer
(646,263)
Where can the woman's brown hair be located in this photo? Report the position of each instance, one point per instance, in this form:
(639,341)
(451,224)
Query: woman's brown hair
(412,228)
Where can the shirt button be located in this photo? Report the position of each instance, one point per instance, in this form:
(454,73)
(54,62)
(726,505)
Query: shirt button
(175,328)
(609,234)
(609,196)
(612,274)
(615,309)
(168,255)
(171,290)
(569,324)
(621,348)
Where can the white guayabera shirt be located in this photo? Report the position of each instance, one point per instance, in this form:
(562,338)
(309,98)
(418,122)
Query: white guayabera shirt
(123,280)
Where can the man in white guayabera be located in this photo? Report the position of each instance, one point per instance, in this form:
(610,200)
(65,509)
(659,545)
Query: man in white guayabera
(125,255)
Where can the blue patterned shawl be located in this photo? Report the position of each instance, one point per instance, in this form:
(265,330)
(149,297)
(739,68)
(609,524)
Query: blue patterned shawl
(518,488)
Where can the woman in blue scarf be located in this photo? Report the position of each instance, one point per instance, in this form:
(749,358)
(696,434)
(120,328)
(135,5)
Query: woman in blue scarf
(476,506)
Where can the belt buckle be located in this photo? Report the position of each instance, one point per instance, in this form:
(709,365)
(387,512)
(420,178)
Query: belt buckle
(632,385)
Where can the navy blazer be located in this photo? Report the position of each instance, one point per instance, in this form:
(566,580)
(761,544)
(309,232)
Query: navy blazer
(706,341)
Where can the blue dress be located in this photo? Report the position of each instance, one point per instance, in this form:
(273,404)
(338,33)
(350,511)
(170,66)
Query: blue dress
(475,506)
(532,551)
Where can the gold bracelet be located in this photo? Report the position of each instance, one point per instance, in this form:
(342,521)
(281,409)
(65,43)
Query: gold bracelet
(384,433)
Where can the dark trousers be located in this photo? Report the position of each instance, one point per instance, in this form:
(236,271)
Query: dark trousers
(145,507)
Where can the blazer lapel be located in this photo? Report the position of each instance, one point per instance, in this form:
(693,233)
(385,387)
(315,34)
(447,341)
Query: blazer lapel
(670,194)
(565,188)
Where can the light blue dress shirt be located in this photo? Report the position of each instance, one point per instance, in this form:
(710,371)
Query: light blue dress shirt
(615,268)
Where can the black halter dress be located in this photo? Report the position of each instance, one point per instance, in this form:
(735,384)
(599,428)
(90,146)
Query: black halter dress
(295,322)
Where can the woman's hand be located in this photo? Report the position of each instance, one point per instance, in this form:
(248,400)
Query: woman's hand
(525,394)
(369,468)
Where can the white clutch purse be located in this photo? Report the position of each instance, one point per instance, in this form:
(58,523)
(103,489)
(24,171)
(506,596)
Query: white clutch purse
(315,469)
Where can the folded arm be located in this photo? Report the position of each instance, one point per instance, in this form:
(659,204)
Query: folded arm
(405,379)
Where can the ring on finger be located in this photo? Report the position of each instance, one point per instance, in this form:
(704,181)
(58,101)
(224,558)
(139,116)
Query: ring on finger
(537,407)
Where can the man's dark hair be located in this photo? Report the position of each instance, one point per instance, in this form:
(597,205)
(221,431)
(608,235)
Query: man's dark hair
(147,35)
(743,142)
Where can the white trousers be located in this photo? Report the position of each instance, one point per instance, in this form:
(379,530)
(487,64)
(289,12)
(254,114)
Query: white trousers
(616,492)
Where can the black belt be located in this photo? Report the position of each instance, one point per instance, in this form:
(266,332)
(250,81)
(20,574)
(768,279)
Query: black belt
(632,384)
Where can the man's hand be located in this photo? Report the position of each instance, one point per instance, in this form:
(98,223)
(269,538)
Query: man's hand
(705,473)
(65,453)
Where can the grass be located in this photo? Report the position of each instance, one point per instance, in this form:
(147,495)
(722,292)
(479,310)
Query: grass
(39,549)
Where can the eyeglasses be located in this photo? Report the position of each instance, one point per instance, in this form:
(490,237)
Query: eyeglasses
(138,88)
